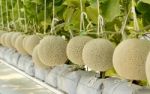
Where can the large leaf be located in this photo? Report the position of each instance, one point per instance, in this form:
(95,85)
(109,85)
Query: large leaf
(110,9)
(142,7)
(92,13)
(146,1)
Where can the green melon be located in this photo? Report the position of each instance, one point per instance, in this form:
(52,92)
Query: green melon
(36,59)
(1,35)
(5,39)
(30,42)
(14,37)
(97,54)
(129,58)
(52,50)
(8,39)
(19,44)
(148,67)
(75,48)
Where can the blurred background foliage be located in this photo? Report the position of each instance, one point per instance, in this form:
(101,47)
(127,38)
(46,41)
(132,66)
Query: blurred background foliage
(128,17)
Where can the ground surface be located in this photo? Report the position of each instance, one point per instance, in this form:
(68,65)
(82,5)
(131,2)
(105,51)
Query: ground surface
(11,82)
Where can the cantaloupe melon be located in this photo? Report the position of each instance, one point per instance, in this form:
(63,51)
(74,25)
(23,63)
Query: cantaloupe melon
(5,39)
(1,34)
(97,54)
(30,42)
(14,37)
(75,48)
(19,44)
(52,50)
(129,58)
(36,59)
(148,67)
(2,39)
(8,39)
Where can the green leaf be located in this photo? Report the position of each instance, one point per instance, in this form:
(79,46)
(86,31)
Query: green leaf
(146,18)
(142,7)
(146,1)
(110,9)
(92,13)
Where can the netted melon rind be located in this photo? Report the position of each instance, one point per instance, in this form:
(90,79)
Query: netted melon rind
(36,59)
(19,44)
(75,48)
(1,37)
(5,39)
(14,37)
(30,42)
(97,54)
(8,39)
(52,50)
(129,58)
(148,68)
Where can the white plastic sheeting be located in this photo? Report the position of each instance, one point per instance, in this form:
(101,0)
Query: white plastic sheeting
(53,75)
(89,84)
(2,52)
(41,73)
(25,64)
(68,81)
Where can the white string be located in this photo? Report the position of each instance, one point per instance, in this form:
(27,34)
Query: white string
(54,19)
(2,16)
(18,10)
(100,21)
(70,31)
(136,26)
(7,16)
(13,18)
(45,16)
(100,25)
(34,22)
(124,25)
(82,24)
(82,16)
(25,20)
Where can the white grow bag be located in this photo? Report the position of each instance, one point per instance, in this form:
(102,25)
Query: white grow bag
(15,58)
(2,52)
(41,73)
(68,81)
(89,84)
(53,75)
(25,64)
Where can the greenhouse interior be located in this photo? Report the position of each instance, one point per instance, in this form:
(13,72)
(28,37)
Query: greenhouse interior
(74,46)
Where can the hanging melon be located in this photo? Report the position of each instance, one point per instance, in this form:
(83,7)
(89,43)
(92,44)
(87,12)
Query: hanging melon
(5,40)
(14,37)
(97,54)
(19,44)
(129,58)
(2,39)
(52,50)
(36,59)
(1,36)
(75,48)
(30,42)
(148,68)
(8,39)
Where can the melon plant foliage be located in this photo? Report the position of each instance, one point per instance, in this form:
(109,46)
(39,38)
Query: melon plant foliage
(34,17)
(68,12)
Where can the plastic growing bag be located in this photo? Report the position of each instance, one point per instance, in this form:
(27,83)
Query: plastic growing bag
(23,60)
(68,81)
(89,84)
(53,75)
(29,66)
(15,58)
(41,73)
